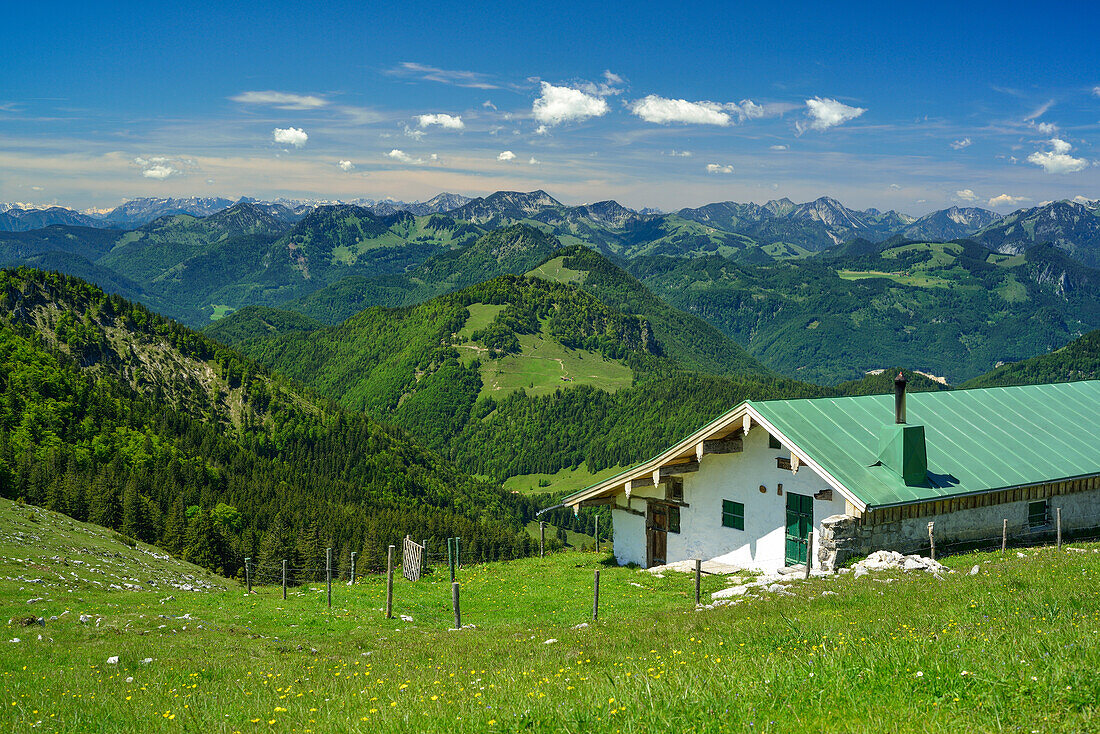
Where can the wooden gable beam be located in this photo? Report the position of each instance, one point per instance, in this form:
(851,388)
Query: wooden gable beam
(662,473)
(729,445)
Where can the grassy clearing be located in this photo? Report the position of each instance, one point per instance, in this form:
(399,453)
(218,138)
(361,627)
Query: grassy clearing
(545,366)
(1013,648)
(556,272)
(920,280)
(562,482)
(481,315)
(220,311)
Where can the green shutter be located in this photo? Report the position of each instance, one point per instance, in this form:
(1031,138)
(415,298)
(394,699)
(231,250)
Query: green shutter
(733,515)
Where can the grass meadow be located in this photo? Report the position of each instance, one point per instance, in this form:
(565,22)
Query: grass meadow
(1014,647)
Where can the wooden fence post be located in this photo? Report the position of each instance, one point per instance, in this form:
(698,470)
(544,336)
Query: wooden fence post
(248,575)
(542,538)
(1004,536)
(451,558)
(454,603)
(698,578)
(353,567)
(596,596)
(1058,516)
(389,583)
(931,541)
(284,580)
(809,553)
(328,574)
(424,558)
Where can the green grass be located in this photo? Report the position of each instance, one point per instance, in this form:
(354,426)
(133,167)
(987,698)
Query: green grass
(556,272)
(220,311)
(1013,648)
(481,315)
(562,482)
(545,366)
(920,280)
(574,540)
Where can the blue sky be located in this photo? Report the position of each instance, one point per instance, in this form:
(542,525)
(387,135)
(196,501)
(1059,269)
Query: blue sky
(666,105)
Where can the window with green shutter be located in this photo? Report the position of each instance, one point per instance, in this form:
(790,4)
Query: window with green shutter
(733,515)
(673,519)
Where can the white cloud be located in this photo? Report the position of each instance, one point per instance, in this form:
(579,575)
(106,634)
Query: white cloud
(966,195)
(895,187)
(345,165)
(413,133)
(400,155)
(1096,91)
(1040,110)
(718,168)
(681,153)
(282,100)
(1006,199)
(161,167)
(1057,159)
(827,113)
(960,144)
(1044,128)
(611,85)
(534,161)
(450,122)
(557,105)
(290,136)
(662,110)
(542,130)
(778,147)
(506,156)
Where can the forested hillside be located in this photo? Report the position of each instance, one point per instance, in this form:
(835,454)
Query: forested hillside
(1078,360)
(952,309)
(116,415)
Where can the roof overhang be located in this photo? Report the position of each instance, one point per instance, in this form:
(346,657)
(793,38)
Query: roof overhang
(736,422)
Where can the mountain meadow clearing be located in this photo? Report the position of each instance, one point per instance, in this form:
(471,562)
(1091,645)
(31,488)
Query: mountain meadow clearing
(1013,646)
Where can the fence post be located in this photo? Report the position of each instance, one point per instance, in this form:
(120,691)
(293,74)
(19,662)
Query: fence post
(1004,536)
(451,558)
(542,538)
(328,574)
(931,541)
(809,553)
(248,575)
(284,580)
(596,596)
(424,558)
(353,567)
(454,602)
(698,578)
(1058,516)
(389,583)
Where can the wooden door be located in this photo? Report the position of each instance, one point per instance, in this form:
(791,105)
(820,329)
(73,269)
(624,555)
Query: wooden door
(656,534)
(800,518)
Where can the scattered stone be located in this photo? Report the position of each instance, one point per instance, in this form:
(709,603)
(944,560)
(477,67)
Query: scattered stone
(113,660)
(406,618)
(551,641)
(1021,555)
(84,619)
(15,639)
(738,590)
(36,600)
(860,571)
(129,679)
(828,593)
(580,626)
(975,571)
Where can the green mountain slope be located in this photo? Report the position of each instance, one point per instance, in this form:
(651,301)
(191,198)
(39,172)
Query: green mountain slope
(113,414)
(952,309)
(1078,360)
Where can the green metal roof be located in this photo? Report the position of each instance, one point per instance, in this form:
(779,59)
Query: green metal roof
(977,440)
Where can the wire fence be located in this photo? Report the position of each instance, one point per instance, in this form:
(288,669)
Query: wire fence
(431,599)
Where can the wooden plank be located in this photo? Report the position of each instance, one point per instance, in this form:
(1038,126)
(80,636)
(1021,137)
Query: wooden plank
(628,510)
(719,446)
(672,470)
(597,502)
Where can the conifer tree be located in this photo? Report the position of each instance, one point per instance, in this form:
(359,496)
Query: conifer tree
(175,529)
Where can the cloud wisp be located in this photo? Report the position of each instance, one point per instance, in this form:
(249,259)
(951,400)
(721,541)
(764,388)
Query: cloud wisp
(557,105)
(445,121)
(458,78)
(158,167)
(506,156)
(281,100)
(346,166)
(966,195)
(1007,200)
(960,144)
(719,168)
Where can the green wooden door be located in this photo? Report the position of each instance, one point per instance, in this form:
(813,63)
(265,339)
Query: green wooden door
(800,518)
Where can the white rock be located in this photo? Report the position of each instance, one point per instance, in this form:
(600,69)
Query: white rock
(146,661)
(828,593)
(129,679)
(860,571)
(974,571)
(406,618)
(15,639)
(84,619)
(113,660)
(731,591)
(551,641)
(580,626)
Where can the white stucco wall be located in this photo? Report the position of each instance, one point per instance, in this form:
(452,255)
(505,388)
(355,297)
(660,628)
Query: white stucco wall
(734,477)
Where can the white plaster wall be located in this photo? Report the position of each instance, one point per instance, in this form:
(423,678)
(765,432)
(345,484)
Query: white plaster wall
(737,477)
(630,540)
